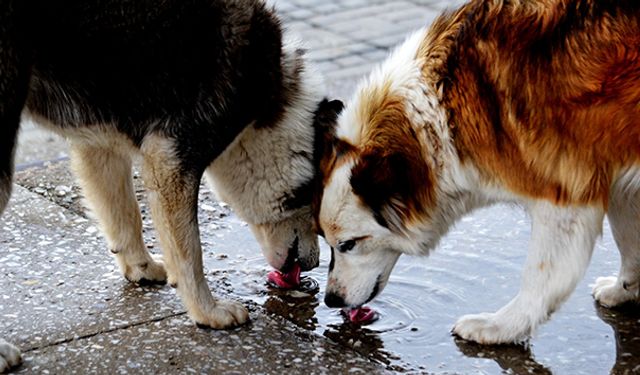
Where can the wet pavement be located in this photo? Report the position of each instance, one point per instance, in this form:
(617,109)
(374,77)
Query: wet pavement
(66,306)
(64,303)
(476,269)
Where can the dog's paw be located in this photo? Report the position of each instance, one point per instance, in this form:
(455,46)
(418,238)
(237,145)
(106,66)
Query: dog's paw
(148,272)
(224,314)
(609,292)
(488,329)
(9,356)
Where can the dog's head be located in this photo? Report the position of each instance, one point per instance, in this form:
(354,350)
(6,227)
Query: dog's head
(289,241)
(295,238)
(269,175)
(378,189)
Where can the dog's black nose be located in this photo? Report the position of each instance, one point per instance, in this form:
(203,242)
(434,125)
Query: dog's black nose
(334,300)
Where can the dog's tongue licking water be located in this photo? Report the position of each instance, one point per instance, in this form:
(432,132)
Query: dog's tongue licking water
(291,279)
(361,315)
(287,280)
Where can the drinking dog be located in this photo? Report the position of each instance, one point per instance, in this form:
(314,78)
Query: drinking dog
(194,88)
(531,102)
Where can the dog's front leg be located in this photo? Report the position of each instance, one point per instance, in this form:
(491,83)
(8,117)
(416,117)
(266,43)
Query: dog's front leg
(105,177)
(561,246)
(173,197)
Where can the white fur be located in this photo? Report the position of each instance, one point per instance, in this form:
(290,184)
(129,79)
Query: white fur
(400,70)
(354,280)
(257,167)
(624,217)
(562,240)
(562,237)
(262,165)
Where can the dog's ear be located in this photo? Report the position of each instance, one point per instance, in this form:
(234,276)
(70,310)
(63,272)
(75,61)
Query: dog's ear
(324,123)
(325,120)
(394,185)
(327,113)
(325,147)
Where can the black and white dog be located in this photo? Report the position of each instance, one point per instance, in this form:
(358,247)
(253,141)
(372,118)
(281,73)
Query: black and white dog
(194,87)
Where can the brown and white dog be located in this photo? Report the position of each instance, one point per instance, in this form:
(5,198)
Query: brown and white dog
(532,102)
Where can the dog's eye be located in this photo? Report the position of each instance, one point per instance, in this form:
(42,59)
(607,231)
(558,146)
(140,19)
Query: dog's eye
(346,245)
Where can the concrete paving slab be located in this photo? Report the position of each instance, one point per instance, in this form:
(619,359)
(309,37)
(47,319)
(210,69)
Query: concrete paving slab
(66,306)
(59,280)
(475,269)
(418,306)
(36,144)
(174,345)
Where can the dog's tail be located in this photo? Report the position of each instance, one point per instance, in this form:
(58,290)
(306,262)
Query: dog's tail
(14,82)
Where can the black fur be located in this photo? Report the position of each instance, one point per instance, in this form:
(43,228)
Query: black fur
(292,256)
(197,71)
(300,197)
(324,124)
(13,87)
(332,263)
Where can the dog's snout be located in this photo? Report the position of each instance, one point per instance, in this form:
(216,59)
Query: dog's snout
(334,300)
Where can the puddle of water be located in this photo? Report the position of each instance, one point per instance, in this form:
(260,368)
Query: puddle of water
(475,269)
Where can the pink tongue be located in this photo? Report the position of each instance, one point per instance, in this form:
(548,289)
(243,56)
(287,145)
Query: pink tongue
(362,315)
(287,280)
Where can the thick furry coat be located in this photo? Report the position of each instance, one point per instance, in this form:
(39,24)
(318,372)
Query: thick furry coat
(531,102)
(191,86)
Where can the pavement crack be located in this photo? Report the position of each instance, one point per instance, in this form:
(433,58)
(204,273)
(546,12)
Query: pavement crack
(101,332)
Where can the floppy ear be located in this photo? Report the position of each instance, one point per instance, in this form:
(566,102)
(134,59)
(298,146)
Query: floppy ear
(394,184)
(327,113)
(324,123)
(324,147)
(325,119)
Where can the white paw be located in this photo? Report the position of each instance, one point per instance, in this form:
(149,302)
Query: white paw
(9,356)
(151,271)
(488,329)
(609,292)
(224,314)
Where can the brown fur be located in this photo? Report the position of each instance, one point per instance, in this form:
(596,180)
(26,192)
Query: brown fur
(528,101)
(173,198)
(335,153)
(390,174)
(543,96)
